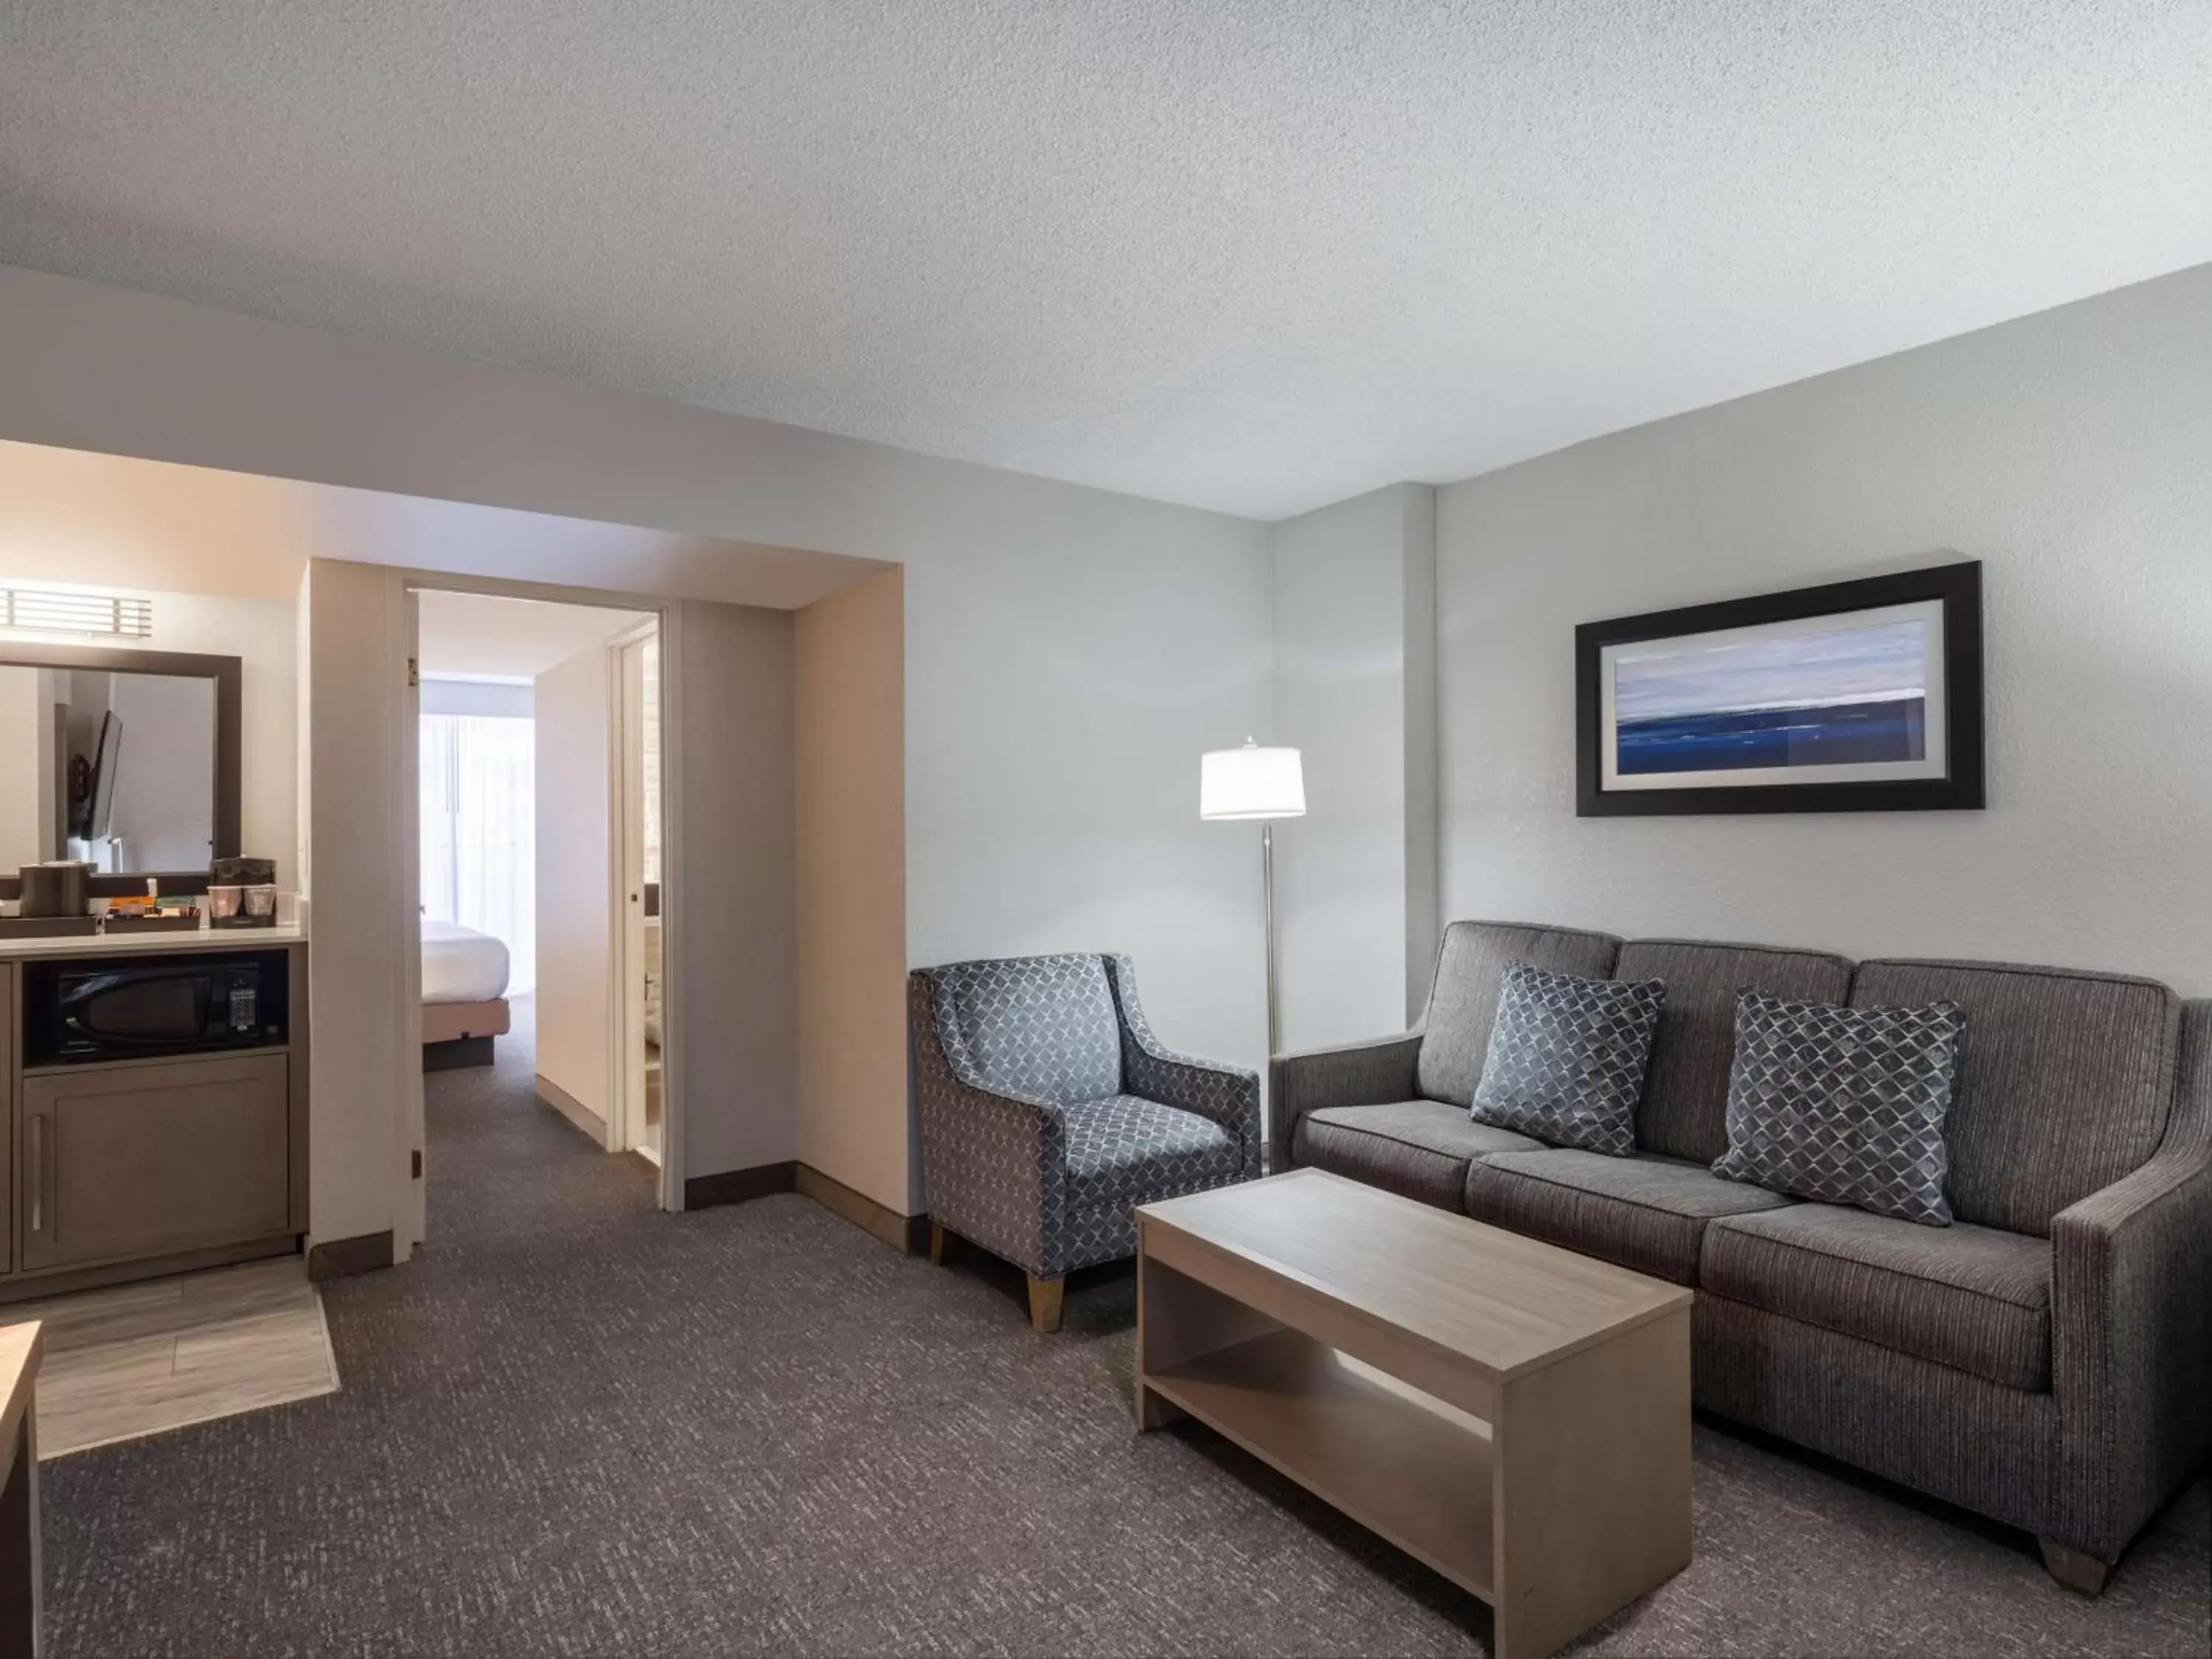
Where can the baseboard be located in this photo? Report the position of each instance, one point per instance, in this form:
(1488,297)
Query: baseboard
(737,1185)
(909,1233)
(337,1257)
(455,1052)
(69,1280)
(572,1108)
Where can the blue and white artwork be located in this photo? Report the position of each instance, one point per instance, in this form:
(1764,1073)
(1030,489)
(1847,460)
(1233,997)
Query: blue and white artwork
(1855,692)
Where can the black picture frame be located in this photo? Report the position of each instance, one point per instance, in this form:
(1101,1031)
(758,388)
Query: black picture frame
(1958,587)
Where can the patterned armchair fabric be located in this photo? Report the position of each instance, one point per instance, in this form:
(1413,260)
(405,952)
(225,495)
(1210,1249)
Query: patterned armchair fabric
(1048,1110)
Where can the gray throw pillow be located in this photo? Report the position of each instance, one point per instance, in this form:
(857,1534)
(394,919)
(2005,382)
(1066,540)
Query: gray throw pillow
(1566,1058)
(1844,1105)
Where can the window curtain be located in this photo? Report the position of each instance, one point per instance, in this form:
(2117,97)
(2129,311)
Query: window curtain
(479,794)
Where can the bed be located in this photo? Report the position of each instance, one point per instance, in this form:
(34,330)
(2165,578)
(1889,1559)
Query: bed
(463,995)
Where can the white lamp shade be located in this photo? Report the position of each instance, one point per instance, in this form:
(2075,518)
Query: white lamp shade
(1251,782)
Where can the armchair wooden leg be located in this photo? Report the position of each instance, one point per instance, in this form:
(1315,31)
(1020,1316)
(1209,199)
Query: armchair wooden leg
(2084,1575)
(1044,1302)
(940,1244)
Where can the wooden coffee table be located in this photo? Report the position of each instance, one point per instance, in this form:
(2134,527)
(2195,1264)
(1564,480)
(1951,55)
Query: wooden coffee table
(1513,1414)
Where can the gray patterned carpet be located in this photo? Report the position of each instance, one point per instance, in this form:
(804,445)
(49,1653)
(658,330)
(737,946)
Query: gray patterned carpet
(578,1426)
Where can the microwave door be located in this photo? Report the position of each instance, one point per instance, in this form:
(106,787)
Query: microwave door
(138,1010)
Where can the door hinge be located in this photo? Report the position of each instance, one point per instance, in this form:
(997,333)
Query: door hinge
(413,675)
(418,1163)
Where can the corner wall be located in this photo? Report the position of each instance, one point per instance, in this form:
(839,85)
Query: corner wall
(731,941)
(850,709)
(354,874)
(1355,690)
(2069,452)
(576,955)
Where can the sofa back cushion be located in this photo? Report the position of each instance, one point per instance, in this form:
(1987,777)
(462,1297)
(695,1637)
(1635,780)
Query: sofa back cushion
(1686,1085)
(2065,1079)
(1463,1002)
(1039,1026)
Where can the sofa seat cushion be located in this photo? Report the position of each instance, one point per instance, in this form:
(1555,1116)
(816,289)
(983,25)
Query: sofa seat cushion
(1418,1149)
(1974,1299)
(1123,1152)
(1645,1213)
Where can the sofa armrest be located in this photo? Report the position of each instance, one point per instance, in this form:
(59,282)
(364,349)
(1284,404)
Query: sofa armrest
(1229,1095)
(1362,1074)
(994,1163)
(2131,1320)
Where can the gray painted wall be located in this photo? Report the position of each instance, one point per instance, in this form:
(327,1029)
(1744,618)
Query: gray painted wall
(2069,451)
(1355,690)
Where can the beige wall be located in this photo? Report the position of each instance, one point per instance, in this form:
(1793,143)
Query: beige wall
(849,706)
(730,936)
(26,762)
(359,842)
(576,940)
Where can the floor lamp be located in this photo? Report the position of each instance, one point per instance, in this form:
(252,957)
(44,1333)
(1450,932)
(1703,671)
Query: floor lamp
(1265,784)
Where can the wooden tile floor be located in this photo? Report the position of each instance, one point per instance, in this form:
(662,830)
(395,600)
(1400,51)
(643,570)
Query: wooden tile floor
(140,1359)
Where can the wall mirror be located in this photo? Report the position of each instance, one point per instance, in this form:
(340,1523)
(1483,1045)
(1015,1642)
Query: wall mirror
(126,759)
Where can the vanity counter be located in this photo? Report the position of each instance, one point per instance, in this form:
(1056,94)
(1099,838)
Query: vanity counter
(152,945)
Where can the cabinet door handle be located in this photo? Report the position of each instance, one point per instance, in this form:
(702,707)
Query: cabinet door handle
(35,1128)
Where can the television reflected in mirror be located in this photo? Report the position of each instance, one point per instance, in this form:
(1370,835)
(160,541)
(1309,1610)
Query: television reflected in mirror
(127,760)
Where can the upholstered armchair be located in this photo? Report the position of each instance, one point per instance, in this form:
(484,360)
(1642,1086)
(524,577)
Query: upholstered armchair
(1049,1112)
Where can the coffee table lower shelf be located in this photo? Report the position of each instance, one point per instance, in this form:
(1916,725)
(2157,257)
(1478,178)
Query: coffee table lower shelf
(1406,1467)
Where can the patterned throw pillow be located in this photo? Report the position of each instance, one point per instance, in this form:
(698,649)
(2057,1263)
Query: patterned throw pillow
(1566,1058)
(1844,1105)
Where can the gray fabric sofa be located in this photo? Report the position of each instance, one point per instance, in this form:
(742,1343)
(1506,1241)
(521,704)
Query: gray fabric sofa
(1049,1112)
(2046,1360)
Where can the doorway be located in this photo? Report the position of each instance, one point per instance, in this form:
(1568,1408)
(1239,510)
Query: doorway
(535,725)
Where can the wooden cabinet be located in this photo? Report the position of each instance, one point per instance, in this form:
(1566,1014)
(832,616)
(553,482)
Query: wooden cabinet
(152,1158)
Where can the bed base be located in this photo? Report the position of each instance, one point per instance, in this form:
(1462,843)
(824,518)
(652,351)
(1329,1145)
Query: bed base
(460,1034)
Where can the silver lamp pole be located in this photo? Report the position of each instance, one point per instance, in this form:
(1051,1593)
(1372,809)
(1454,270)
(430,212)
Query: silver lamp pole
(1266,784)
(1268,901)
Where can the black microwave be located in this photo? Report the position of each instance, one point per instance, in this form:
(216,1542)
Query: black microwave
(124,1007)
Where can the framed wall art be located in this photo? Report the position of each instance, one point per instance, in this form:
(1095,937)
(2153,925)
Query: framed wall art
(1855,696)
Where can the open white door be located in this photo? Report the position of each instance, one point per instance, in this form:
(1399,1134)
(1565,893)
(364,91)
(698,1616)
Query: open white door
(636,1122)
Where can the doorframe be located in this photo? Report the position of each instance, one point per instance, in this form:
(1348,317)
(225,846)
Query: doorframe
(626,1050)
(666,613)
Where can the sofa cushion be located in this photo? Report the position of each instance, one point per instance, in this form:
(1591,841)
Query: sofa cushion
(2065,1080)
(1566,1058)
(1123,1152)
(1974,1299)
(1684,1113)
(1644,1211)
(1844,1105)
(1039,1026)
(1464,999)
(1416,1148)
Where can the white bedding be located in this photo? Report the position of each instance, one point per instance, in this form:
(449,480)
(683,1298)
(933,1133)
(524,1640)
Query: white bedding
(460,964)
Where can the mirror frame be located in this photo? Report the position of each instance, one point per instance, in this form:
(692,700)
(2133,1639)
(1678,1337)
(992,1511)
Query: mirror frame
(226,673)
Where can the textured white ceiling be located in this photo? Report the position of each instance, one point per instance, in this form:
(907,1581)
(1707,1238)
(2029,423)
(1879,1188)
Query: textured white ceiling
(1253,254)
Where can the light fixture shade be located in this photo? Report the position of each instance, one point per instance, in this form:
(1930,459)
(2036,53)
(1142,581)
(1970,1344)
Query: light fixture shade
(1251,782)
